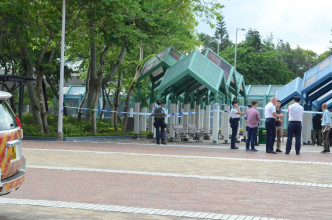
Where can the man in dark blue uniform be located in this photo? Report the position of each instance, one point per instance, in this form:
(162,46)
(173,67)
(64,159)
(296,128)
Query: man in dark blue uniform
(159,114)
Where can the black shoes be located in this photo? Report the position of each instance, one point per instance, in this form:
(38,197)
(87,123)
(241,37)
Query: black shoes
(158,142)
(287,153)
(163,142)
(278,150)
(325,151)
(235,147)
(272,152)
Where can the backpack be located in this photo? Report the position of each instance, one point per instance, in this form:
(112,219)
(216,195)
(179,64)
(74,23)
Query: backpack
(158,113)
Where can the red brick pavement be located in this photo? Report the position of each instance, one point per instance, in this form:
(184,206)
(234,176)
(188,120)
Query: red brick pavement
(175,150)
(252,199)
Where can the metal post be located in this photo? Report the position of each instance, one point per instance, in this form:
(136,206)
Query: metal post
(225,131)
(207,119)
(136,119)
(215,125)
(143,119)
(172,121)
(60,116)
(242,29)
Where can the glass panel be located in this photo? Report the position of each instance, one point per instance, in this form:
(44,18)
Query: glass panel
(214,58)
(65,89)
(274,90)
(225,66)
(175,55)
(74,103)
(76,91)
(323,65)
(7,119)
(258,90)
(309,81)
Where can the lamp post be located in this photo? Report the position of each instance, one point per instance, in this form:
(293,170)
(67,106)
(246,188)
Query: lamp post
(241,29)
(218,41)
(60,118)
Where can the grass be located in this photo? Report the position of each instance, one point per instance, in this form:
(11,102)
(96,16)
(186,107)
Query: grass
(71,127)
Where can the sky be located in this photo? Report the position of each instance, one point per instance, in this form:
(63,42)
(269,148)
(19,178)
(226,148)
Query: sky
(300,22)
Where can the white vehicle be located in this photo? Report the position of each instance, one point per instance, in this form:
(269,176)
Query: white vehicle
(11,159)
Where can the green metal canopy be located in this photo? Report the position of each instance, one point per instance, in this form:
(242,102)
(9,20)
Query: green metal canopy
(157,65)
(234,80)
(194,74)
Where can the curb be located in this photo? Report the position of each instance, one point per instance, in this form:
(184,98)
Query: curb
(87,138)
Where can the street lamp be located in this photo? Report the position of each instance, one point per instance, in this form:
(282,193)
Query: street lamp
(241,29)
(62,55)
(218,41)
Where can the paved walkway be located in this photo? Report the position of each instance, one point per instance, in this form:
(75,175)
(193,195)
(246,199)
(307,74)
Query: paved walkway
(136,179)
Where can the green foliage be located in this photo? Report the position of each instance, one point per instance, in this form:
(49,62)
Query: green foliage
(221,34)
(71,127)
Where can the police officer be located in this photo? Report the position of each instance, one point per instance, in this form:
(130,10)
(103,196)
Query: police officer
(159,114)
(235,118)
(295,112)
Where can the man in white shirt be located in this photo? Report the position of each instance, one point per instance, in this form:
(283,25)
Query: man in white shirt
(235,118)
(270,124)
(295,113)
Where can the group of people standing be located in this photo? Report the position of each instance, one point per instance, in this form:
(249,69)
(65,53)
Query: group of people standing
(274,125)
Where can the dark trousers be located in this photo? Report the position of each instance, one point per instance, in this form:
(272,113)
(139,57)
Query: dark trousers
(270,125)
(317,134)
(294,127)
(252,134)
(326,140)
(256,139)
(160,130)
(235,126)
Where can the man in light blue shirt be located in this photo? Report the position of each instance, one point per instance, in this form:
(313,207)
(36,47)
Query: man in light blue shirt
(326,125)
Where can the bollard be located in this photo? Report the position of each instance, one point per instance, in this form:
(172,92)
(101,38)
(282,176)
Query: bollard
(215,124)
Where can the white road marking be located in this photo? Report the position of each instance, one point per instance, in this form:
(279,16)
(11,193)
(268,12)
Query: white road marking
(218,146)
(222,178)
(180,156)
(111,208)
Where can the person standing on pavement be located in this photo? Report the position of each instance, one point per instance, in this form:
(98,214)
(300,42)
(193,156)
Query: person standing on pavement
(253,118)
(326,125)
(317,132)
(270,124)
(330,136)
(295,113)
(159,114)
(279,125)
(235,118)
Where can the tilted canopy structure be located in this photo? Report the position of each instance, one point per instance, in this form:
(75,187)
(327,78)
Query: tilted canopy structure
(156,67)
(194,74)
(315,88)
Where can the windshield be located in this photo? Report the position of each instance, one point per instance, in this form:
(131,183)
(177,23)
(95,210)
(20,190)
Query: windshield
(7,117)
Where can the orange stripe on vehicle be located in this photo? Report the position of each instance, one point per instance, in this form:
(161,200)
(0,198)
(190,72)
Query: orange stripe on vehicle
(3,151)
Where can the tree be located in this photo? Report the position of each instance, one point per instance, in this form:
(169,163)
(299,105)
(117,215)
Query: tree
(221,34)
(253,39)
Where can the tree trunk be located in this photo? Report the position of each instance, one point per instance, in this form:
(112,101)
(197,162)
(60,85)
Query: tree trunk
(30,86)
(116,101)
(130,90)
(95,83)
(87,86)
(43,112)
